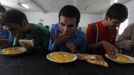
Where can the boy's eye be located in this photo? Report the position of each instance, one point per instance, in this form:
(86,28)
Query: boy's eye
(62,24)
(70,26)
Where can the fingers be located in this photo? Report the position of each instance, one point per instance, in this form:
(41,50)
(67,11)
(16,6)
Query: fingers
(112,53)
(60,38)
(71,46)
(110,49)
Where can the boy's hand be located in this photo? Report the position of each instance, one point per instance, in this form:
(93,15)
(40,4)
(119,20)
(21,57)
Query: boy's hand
(71,46)
(110,49)
(60,38)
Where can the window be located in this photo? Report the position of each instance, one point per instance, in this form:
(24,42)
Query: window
(123,26)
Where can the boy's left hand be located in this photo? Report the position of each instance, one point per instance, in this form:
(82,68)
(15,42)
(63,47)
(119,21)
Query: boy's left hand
(71,46)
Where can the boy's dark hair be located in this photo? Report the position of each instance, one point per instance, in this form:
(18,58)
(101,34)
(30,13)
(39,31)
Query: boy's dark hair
(14,16)
(70,11)
(47,26)
(117,11)
(2,9)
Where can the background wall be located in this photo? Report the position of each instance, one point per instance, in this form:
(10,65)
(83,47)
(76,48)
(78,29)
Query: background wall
(52,18)
(130,6)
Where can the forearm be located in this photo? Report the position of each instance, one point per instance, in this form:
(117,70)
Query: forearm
(125,44)
(95,46)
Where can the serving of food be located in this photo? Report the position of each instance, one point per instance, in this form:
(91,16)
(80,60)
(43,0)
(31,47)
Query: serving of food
(121,58)
(13,51)
(61,57)
(93,59)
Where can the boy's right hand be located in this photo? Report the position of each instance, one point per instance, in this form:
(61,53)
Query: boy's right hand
(60,38)
(110,49)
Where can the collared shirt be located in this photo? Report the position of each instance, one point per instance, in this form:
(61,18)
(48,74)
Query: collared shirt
(5,34)
(79,39)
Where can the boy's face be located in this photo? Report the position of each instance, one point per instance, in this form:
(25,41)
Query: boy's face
(113,22)
(15,29)
(67,25)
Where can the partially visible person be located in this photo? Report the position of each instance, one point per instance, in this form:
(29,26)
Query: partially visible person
(101,35)
(40,24)
(64,35)
(5,34)
(20,28)
(125,41)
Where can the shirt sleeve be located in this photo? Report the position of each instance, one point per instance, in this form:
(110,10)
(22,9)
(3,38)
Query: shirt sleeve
(92,46)
(83,44)
(46,39)
(51,42)
(40,36)
(41,40)
(124,41)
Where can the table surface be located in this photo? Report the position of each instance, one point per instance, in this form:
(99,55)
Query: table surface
(37,64)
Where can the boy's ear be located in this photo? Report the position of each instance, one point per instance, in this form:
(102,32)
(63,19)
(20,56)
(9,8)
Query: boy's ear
(107,18)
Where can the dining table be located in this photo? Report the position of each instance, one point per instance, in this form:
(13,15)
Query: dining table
(36,63)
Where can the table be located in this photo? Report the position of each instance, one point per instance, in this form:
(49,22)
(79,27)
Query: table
(36,64)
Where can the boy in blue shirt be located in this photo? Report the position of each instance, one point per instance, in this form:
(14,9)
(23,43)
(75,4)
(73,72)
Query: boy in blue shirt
(65,36)
(5,34)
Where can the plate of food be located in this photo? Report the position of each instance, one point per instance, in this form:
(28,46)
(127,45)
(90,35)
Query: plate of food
(13,51)
(61,57)
(121,58)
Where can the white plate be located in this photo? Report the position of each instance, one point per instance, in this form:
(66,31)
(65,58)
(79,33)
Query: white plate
(16,51)
(130,61)
(62,55)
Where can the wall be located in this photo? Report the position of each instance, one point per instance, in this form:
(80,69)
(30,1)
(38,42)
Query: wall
(35,17)
(52,18)
(130,6)
(87,19)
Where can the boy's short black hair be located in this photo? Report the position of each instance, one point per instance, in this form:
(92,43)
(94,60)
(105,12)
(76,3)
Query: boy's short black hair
(70,11)
(14,16)
(2,9)
(47,26)
(117,11)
